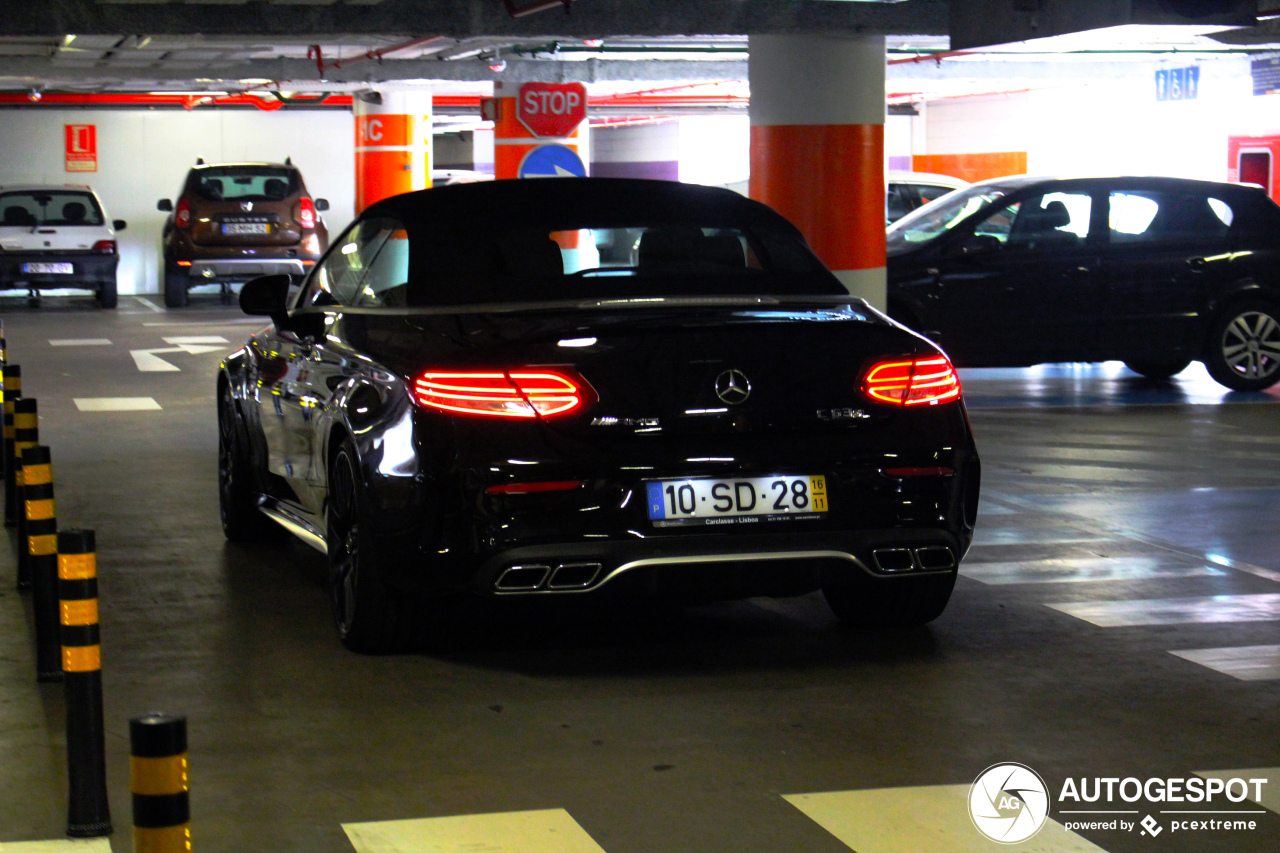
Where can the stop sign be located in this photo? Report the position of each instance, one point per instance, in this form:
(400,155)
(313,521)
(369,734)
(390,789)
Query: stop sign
(551,109)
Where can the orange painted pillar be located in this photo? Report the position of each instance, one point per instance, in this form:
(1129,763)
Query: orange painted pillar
(817,147)
(393,144)
(512,140)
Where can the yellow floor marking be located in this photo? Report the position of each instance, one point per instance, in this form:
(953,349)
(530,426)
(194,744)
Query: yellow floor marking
(65,845)
(542,831)
(933,818)
(1270,792)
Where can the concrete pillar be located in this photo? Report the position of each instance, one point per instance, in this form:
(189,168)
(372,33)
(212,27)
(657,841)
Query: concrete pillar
(393,144)
(817,147)
(512,140)
(650,150)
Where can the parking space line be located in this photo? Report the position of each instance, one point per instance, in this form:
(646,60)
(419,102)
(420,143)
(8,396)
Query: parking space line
(1270,798)
(63,845)
(149,304)
(1031,536)
(540,831)
(117,404)
(1175,611)
(1247,663)
(80,342)
(196,339)
(1082,570)
(246,321)
(932,817)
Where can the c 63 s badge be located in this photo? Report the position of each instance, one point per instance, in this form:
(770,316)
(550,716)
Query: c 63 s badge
(842,415)
(625,422)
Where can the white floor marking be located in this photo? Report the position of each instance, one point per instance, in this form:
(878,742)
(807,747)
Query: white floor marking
(542,831)
(933,818)
(1031,536)
(246,321)
(80,342)
(65,845)
(149,304)
(149,362)
(196,339)
(1247,663)
(1270,798)
(117,404)
(1082,570)
(1175,611)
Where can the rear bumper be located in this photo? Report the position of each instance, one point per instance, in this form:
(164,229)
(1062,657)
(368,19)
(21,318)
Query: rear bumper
(216,270)
(87,270)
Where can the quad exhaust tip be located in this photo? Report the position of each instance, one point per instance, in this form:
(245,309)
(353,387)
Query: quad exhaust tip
(548,578)
(931,558)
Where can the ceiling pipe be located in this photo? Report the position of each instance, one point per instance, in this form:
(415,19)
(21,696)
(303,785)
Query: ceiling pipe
(516,11)
(315,52)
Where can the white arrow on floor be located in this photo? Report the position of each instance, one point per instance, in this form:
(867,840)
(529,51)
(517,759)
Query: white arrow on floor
(149,361)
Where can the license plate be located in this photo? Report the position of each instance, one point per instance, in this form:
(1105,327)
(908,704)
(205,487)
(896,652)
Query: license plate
(684,503)
(246,228)
(50,269)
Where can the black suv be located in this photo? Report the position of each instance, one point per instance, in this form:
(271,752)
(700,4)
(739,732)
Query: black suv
(1154,272)
(236,221)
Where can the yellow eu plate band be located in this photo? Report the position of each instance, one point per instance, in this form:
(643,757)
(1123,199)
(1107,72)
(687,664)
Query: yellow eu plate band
(77,567)
(158,776)
(41,510)
(38,475)
(83,611)
(81,658)
(169,839)
(43,545)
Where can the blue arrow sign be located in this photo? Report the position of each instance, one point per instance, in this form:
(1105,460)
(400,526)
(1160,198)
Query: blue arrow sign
(552,161)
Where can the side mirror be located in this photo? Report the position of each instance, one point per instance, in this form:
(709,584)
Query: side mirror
(980,244)
(119,224)
(165,205)
(322,204)
(266,296)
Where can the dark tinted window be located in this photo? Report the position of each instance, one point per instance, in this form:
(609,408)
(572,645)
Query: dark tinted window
(368,267)
(243,183)
(49,207)
(1050,220)
(1143,216)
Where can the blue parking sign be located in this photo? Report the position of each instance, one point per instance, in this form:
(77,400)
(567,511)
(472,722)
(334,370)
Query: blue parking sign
(552,161)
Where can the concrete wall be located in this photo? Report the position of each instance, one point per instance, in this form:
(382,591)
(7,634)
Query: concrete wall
(143,156)
(637,151)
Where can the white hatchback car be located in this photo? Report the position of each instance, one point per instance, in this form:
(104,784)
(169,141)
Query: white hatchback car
(58,236)
(905,191)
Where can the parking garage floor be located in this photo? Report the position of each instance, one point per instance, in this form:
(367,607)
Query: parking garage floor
(1118,616)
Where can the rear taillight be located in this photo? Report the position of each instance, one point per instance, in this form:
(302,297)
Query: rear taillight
(307,213)
(912,381)
(104,247)
(182,213)
(521,393)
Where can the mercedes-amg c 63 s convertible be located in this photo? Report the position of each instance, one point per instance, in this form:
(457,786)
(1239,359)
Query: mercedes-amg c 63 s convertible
(592,387)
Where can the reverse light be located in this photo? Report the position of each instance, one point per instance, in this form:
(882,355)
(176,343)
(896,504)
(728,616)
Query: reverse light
(182,213)
(311,245)
(912,382)
(104,247)
(523,393)
(307,213)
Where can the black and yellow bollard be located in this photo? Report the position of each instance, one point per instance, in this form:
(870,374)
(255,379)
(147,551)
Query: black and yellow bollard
(4,360)
(88,815)
(41,514)
(26,433)
(158,779)
(12,393)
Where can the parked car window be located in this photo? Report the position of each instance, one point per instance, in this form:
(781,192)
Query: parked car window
(898,202)
(387,282)
(341,277)
(44,207)
(928,192)
(1141,216)
(1058,219)
(925,223)
(244,183)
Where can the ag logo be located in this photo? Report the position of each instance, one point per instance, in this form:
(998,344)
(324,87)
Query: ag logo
(1008,803)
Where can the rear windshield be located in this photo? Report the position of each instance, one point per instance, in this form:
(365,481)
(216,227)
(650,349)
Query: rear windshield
(49,207)
(243,183)
(523,264)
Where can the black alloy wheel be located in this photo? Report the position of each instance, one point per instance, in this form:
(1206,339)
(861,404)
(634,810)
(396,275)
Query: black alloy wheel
(371,618)
(1244,347)
(1159,369)
(896,602)
(237,498)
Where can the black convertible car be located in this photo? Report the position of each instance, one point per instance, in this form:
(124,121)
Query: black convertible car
(1154,272)
(590,387)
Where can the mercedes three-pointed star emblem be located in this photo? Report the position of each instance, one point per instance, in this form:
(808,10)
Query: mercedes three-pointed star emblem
(733,387)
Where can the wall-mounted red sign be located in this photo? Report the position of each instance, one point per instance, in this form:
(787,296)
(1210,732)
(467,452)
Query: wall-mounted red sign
(81,147)
(551,109)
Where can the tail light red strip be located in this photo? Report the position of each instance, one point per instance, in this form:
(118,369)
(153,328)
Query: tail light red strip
(920,472)
(525,488)
(307,213)
(912,381)
(182,214)
(522,393)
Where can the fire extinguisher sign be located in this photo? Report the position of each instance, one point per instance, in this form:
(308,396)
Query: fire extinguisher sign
(81,147)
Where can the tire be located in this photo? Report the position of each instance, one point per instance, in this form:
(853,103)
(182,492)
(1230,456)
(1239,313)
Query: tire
(107,295)
(175,289)
(237,495)
(901,602)
(1158,369)
(1243,351)
(371,617)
